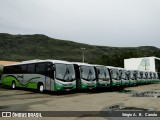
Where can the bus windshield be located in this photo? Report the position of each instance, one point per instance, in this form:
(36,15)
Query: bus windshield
(88,72)
(123,74)
(65,72)
(138,74)
(132,75)
(144,77)
(103,73)
(115,74)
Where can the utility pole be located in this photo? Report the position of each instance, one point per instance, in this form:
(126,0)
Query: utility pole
(83,54)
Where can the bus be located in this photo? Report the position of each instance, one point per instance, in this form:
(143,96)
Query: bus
(115,76)
(124,77)
(148,76)
(103,77)
(152,77)
(139,77)
(85,76)
(155,78)
(132,77)
(143,76)
(51,75)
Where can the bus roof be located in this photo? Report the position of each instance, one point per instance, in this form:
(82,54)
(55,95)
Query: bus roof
(98,65)
(39,61)
(79,64)
(114,67)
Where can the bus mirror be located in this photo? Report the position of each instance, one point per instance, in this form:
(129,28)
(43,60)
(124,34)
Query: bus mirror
(50,67)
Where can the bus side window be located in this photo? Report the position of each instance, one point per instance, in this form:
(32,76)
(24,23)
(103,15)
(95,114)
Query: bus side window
(16,69)
(40,68)
(23,68)
(7,70)
(31,68)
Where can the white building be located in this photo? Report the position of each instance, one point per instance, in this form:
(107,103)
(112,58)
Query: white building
(144,63)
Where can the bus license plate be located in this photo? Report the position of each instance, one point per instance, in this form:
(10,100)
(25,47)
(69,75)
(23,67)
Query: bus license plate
(67,89)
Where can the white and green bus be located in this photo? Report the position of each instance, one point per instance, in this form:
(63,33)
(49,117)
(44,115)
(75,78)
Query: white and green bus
(139,77)
(115,76)
(143,80)
(85,76)
(51,75)
(155,78)
(103,76)
(148,77)
(132,77)
(124,77)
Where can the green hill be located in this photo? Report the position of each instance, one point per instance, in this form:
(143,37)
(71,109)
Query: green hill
(26,47)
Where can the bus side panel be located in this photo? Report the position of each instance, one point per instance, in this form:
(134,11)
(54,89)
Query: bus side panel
(32,80)
(8,79)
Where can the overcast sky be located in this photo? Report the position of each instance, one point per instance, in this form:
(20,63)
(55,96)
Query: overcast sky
(122,23)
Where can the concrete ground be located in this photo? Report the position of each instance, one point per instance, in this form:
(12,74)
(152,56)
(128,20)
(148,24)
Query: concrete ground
(27,100)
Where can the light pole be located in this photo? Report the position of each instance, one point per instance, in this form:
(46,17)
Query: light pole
(83,54)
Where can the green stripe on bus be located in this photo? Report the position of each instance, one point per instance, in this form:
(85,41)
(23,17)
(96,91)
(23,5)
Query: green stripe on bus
(7,80)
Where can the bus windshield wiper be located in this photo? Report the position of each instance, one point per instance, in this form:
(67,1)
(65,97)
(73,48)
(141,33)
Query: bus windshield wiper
(89,75)
(68,74)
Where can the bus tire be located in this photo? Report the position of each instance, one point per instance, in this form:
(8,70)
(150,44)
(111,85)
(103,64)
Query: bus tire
(40,87)
(13,85)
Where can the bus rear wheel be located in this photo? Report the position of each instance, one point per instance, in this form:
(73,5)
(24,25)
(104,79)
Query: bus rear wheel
(41,88)
(13,85)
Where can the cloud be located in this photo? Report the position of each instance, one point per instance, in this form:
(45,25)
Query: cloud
(98,22)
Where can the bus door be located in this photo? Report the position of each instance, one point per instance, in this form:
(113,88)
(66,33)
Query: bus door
(49,79)
(48,85)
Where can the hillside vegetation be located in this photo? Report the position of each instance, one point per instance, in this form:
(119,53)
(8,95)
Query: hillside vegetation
(26,47)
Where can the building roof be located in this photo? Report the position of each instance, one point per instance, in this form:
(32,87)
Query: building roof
(152,57)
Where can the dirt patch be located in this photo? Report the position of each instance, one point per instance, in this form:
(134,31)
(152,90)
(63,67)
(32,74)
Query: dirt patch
(2,63)
(155,94)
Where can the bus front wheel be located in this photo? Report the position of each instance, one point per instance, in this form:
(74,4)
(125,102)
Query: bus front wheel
(41,88)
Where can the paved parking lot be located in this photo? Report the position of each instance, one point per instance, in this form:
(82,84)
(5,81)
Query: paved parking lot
(27,100)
